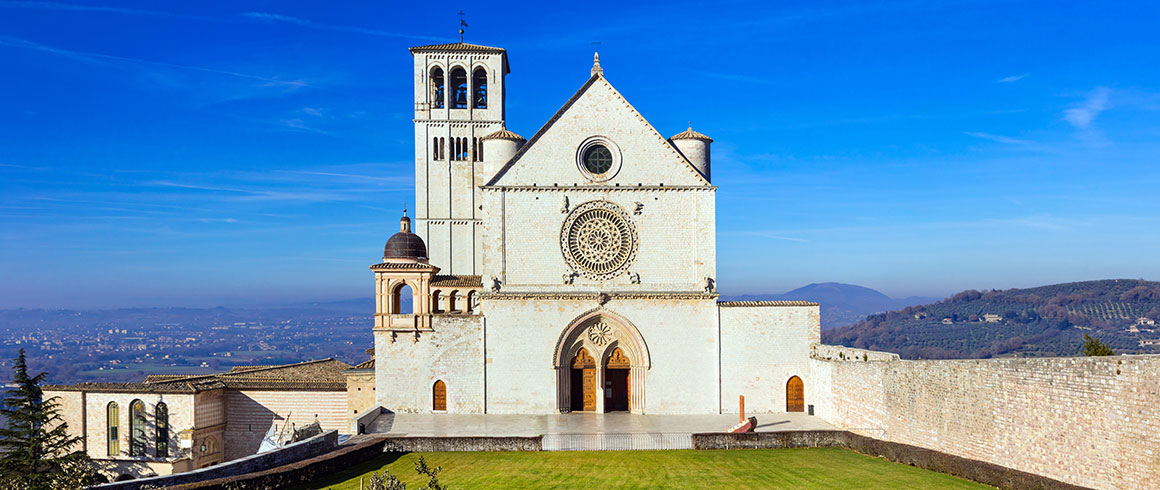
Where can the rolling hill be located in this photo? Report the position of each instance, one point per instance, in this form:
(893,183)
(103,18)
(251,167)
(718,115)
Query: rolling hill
(841,304)
(1043,321)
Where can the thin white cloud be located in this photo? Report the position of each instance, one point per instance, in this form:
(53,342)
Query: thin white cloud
(269,17)
(70,7)
(91,57)
(1000,139)
(1013,78)
(1082,115)
(771,236)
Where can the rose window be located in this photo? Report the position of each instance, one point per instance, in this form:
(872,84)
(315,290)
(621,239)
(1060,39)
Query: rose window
(598,240)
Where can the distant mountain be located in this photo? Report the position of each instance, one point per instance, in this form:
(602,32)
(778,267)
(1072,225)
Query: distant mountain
(1043,321)
(841,304)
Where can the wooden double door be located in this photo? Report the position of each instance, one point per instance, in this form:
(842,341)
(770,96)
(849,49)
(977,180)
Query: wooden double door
(617,383)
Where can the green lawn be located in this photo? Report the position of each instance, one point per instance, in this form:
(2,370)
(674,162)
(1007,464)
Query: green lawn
(822,468)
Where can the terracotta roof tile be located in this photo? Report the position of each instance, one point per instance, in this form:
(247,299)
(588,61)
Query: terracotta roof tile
(324,374)
(457,281)
(689,134)
(476,48)
(504,134)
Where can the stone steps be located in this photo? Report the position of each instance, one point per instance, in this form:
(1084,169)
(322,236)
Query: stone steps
(617,442)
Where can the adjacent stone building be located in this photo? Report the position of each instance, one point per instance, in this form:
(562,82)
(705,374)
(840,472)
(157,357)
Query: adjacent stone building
(173,423)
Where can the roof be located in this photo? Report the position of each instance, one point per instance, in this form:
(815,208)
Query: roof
(689,134)
(367,364)
(402,265)
(734,304)
(405,245)
(457,47)
(457,281)
(504,134)
(323,374)
(462,47)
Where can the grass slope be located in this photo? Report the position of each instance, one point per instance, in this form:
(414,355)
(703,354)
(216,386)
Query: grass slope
(822,468)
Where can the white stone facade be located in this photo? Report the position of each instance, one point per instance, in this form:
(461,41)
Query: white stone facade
(594,244)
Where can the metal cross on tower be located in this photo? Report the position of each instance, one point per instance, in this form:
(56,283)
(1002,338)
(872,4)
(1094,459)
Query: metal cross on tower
(462,24)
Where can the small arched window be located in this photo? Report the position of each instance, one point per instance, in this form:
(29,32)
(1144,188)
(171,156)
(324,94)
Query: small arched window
(471,299)
(453,301)
(459,88)
(438,92)
(479,88)
(113,413)
(439,396)
(162,417)
(402,299)
(442,148)
(435,299)
(137,428)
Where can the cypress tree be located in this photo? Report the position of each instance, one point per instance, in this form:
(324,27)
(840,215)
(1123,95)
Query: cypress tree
(36,451)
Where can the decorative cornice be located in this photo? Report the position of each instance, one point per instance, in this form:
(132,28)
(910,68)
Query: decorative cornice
(597,188)
(460,47)
(438,123)
(651,295)
(750,304)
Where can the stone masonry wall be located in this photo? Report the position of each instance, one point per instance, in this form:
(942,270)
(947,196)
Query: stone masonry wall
(407,367)
(249,414)
(761,348)
(1087,421)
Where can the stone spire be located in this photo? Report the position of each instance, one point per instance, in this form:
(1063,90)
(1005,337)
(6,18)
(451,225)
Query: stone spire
(596,69)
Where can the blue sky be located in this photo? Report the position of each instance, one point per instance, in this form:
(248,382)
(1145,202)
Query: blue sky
(195,153)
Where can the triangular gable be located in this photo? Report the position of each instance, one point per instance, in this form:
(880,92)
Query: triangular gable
(598,109)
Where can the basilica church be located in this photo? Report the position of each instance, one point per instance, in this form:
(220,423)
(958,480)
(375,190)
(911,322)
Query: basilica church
(574,271)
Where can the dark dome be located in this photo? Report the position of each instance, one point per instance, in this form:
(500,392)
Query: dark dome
(405,245)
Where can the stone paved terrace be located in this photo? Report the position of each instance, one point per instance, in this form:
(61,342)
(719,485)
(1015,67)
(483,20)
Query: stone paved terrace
(614,431)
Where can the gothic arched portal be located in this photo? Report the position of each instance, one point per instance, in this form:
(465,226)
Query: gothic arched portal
(608,348)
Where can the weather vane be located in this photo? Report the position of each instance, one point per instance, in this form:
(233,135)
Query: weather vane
(462,24)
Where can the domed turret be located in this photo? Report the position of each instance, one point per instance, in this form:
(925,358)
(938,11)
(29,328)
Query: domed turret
(404,244)
(498,148)
(695,147)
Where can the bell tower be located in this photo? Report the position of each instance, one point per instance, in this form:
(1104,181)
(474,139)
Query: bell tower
(459,99)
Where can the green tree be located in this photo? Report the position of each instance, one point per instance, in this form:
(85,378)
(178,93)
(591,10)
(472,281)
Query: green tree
(36,451)
(1094,347)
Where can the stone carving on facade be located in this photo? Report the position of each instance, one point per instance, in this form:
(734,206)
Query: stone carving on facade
(569,277)
(599,240)
(493,284)
(600,334)
(637,208)
(564,206)
(710,285)
(634,277)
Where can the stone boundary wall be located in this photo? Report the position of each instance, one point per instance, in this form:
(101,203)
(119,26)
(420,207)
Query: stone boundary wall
(441,444)
(295,473)
(308,470)
(978,471)
(308,448)
(1089,421)
(826,352)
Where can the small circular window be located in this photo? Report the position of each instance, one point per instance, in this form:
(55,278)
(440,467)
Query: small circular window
(597,159)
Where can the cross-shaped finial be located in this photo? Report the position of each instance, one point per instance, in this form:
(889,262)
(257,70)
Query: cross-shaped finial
(462,24)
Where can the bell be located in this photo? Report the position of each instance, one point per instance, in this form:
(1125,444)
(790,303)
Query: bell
(461,98)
